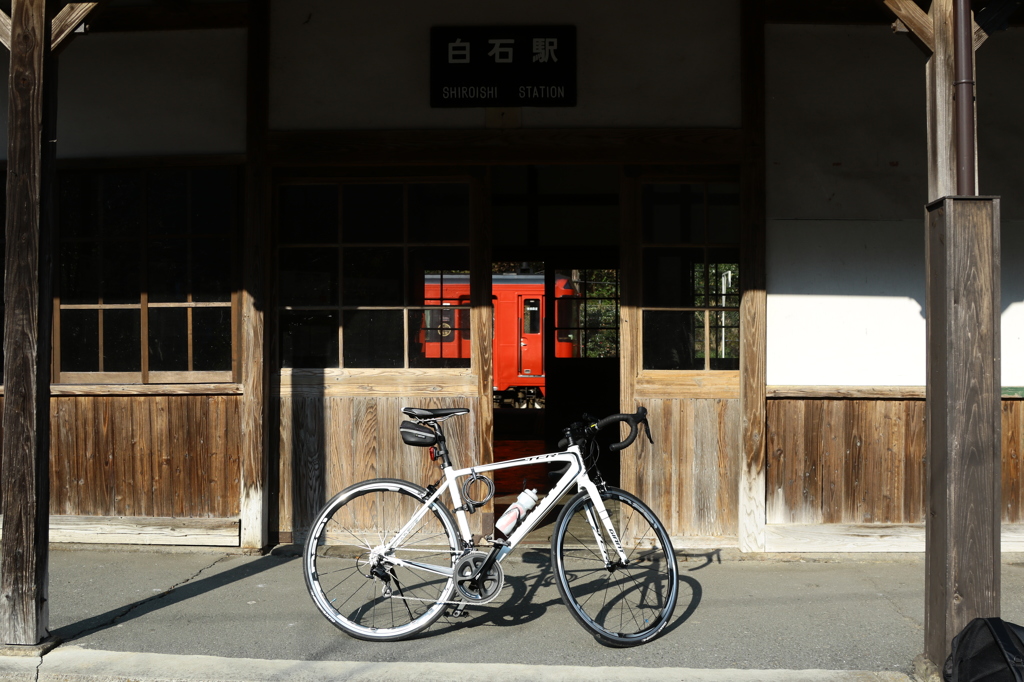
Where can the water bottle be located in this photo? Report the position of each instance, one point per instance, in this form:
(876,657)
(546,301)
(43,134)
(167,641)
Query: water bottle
(526,501)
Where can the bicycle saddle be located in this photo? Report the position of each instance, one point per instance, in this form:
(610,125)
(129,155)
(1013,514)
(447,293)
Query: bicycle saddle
(439,413)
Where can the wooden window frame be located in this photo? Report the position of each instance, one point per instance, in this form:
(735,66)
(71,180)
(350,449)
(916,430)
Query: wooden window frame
(458,378)
(691,378)
(145,376)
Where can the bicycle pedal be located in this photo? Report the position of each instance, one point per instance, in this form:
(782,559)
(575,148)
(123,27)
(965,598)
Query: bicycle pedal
(459,611)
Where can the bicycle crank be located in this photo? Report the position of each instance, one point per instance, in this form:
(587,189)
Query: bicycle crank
(474,587)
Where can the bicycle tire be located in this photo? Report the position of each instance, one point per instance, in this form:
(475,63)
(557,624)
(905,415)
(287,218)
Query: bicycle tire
(620,605)
(348,577)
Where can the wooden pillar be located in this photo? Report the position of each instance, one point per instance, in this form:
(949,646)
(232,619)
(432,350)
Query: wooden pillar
(254,463)
(963,415)
(27,323)
(753,304)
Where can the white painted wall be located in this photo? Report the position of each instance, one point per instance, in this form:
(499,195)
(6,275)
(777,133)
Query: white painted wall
(847,184)
(344,65)
(139,94)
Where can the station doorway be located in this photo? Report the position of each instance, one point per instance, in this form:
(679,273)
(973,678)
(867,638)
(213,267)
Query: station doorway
(555,291)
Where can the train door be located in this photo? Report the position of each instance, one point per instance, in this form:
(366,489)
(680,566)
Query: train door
(531,336)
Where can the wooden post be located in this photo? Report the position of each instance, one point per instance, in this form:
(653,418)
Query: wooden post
(963,416)
(254,463)
(753,304)
(27,323)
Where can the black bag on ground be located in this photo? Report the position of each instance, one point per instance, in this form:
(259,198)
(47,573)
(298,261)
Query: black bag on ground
(987,650)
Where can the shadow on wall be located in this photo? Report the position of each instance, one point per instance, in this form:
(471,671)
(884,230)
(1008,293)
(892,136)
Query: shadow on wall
(862,258)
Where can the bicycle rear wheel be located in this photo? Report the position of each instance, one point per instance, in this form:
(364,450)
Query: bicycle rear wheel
(350,569)
(621,604)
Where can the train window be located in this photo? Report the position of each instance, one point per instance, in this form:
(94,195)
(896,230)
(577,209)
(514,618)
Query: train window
(531,316)
(374,274)
(691,279)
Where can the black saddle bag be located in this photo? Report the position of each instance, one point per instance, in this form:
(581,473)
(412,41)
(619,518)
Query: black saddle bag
(987,650)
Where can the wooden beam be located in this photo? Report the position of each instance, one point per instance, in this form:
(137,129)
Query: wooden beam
(962,562)
(255,371)
(67,20)
(915,19)
(27,326)
(712,146)
(144,530)
(753,301)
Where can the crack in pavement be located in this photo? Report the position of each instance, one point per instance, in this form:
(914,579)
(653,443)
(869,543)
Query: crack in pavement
(123,612)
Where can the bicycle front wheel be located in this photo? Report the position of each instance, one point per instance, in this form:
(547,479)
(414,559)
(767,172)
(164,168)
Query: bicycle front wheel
(363,580)
(621,603)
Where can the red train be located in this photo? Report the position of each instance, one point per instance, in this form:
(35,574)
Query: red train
(520,308)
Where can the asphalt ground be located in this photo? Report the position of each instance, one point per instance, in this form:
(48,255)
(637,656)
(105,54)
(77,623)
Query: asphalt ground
(742,617)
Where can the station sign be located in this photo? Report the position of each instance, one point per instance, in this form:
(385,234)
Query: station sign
(503,66)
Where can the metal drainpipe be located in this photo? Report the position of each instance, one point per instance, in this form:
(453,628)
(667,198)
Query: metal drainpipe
(963,90)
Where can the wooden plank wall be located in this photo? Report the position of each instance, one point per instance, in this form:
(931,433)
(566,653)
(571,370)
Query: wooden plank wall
(327,443)
(690,476)
(153,456)
(863,461)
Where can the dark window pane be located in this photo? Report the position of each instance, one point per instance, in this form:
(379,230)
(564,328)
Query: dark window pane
(673,340)
(79,199)
(167,210)
(168,339)
(168,270)
(122,350)
(436,340)
(214,200)
(373,338)
(724,278)
(724,214)
(309,339)
(439,213)
(78,272)
(211,339)
(308,276)
(79,341)
(674,277)
(121,272)
(211,270)
(673,214)
(372,213)
(372,276)
(309,214)
(123,196)
(724,341)
(430,266)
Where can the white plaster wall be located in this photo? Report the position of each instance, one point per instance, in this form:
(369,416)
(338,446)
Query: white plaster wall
(847,185)
(137,94)
(342,65)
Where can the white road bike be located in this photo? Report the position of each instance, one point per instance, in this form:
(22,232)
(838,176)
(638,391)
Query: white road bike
(385,558)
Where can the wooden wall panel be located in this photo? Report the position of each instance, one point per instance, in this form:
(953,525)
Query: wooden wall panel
(690,476)
(330,442)
(863,461)
(152,456)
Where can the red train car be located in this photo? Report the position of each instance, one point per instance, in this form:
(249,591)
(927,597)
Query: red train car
(519,311)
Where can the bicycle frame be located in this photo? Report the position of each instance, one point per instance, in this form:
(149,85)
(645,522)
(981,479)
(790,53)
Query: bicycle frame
(575,474)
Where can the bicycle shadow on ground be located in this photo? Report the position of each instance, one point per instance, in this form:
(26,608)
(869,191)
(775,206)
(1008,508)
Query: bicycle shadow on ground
(517,604)
(166,598)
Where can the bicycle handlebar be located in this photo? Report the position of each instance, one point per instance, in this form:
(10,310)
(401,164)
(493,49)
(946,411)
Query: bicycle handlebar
(635,420)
